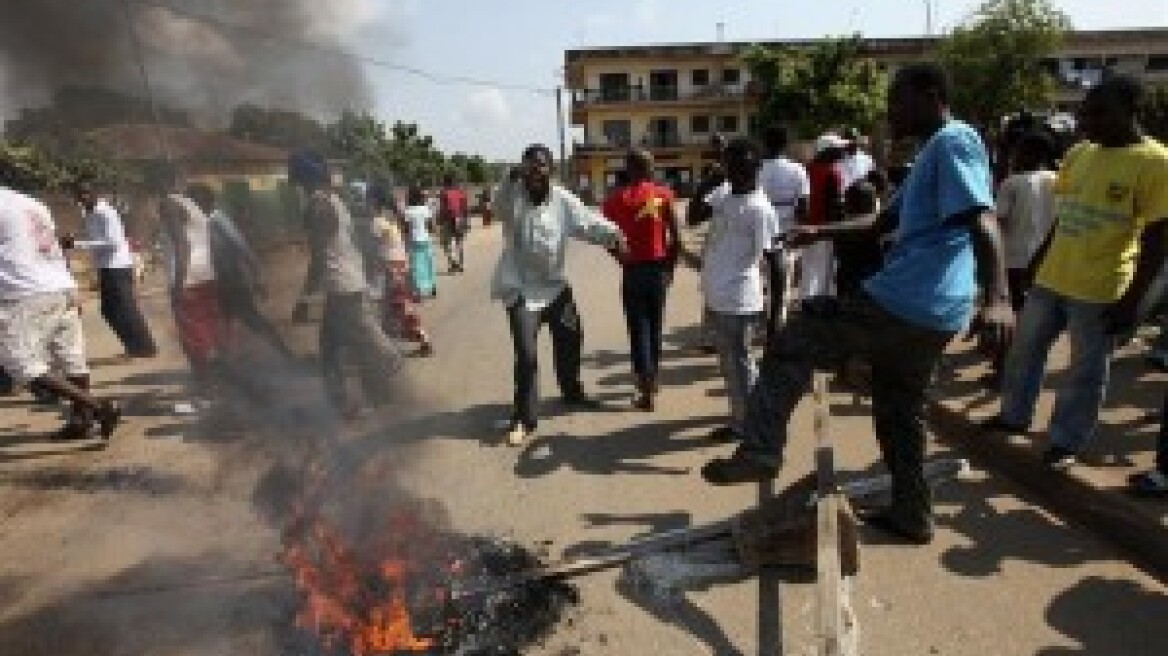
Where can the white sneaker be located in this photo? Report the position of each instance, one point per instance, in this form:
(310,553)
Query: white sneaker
(518,435)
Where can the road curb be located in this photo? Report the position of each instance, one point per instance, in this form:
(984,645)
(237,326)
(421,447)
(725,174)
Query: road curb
(1109,514)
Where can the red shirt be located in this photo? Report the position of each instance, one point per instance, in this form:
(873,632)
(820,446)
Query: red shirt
(826,192)
(640,211)
(452,205)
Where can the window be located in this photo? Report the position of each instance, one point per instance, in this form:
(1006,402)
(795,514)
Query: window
(731,76)
(700,77)
(614,87)
(699,124)
(1158,63)
(663,132)
(663,85)
(728,124)
(618,133)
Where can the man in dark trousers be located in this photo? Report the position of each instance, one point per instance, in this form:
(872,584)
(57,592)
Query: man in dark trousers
(105,239)
(350,331)
(539,218)
(452,223)
(643,210)
(922,296)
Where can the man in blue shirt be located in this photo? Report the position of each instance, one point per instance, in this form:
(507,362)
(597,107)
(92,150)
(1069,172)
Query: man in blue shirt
(910,309)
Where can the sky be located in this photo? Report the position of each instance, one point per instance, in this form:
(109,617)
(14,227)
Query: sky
(522,43)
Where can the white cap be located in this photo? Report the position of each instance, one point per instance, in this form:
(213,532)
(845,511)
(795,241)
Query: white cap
(829,141)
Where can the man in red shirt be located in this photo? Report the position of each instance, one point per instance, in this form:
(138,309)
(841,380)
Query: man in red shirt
(824,206)
(643,210)
(452,222)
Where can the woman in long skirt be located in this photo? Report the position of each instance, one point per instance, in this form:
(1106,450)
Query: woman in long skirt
(419,219)
(400,316)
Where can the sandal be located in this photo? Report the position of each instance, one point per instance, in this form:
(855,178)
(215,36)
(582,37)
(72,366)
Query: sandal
(1150,484)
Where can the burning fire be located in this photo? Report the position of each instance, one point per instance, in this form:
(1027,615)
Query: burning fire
(349,602)
(383,588)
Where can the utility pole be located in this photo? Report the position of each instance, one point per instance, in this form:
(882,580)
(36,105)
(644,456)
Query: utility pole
(136,45)
(567,170)
(928,17)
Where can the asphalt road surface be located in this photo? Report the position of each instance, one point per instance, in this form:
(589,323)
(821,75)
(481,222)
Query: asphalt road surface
(165,543)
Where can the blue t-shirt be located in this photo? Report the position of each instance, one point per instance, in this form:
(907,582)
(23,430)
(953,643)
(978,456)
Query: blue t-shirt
(928,278)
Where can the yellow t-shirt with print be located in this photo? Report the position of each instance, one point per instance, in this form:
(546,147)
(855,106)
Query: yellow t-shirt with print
(1104,198)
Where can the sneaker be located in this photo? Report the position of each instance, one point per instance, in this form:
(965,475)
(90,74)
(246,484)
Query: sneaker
(518,434)
(738,468)
(918,532)
(1059,458)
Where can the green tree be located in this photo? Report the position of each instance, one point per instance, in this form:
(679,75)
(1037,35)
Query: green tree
(816,87)
(995,58)
(1154,116)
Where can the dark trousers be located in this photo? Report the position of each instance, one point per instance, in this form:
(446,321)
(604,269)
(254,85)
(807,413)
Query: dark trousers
(776,282)
(563,319)
(643,289)
(350,334)
(119,308)
(453,237)
(903,357)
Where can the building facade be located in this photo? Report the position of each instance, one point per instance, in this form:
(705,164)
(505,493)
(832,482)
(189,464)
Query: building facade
(674,98)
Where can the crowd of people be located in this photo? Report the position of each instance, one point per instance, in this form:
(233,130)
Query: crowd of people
(839,266)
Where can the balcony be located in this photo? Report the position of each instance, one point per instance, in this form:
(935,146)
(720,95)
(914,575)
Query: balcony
(655,141)
(651,94)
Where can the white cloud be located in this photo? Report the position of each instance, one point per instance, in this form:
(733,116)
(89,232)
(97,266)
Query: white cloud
(487,106)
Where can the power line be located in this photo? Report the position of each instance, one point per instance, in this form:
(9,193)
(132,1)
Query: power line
(435,78)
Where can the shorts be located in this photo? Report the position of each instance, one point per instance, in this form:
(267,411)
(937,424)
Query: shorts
(39,334)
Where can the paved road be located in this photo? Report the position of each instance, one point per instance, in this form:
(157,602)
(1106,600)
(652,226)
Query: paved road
(164,543)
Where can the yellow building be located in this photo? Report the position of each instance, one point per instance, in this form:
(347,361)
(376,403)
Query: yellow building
(674,98)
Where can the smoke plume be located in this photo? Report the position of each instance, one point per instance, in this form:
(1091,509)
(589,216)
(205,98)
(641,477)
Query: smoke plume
(205,56)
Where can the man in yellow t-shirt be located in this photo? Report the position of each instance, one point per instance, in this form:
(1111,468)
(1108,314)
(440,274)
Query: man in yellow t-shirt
(1111,199)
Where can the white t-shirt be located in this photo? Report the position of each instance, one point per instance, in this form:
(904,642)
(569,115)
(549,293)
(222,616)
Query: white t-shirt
(31,259)
(1026,211)
(417,216)
(105,238)
(740,231)
(856,167)
(784,182)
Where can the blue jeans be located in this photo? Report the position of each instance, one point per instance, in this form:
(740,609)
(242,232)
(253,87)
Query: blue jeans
(732,340)
(1077,405)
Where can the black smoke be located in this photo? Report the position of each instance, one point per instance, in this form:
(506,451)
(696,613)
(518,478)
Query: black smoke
(204,56)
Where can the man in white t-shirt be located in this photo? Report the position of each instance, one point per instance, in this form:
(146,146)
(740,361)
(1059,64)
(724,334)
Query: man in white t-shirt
(787,187)
(40,326)
(741,228)
(105,239)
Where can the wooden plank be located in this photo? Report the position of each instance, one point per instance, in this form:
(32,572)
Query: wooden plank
(829,572)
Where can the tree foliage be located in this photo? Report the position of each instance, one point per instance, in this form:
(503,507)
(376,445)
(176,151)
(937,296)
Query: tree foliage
(995,58)
(817,87)
(1154,116)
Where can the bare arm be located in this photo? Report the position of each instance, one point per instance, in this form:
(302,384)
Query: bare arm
(1122,315)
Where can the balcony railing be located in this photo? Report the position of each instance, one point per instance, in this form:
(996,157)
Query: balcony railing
(660,140)
(659,93)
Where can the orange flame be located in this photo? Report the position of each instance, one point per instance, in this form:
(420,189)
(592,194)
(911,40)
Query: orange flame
(339,608)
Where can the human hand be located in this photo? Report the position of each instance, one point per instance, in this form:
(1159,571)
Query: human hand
(995,328)
(801,235)
(621,247)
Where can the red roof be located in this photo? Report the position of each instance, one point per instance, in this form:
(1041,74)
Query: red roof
(140,141)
